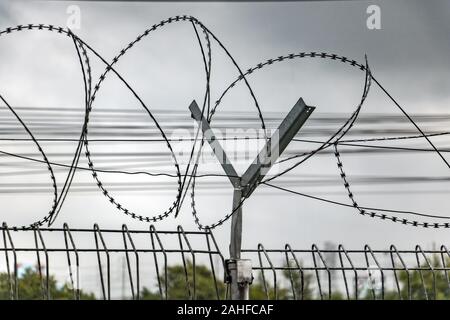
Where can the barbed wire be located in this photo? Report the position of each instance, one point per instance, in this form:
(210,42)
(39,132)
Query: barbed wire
(373,214)
(187,179)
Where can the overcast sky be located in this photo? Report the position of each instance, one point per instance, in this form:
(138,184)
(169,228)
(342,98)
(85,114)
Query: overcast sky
(409,56)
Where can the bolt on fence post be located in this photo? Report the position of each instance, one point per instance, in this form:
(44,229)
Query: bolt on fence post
(239,276)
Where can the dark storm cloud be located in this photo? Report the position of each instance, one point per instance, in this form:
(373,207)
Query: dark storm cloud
(3,12)
(412,43)
(411,30)
(410,52)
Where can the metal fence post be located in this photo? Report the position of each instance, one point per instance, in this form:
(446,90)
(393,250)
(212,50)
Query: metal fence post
(240,278)
(239,271)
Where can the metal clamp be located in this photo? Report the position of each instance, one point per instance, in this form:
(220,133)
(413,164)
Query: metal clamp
(241,269)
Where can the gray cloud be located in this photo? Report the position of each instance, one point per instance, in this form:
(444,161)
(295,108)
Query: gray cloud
(409,55)
(4,12)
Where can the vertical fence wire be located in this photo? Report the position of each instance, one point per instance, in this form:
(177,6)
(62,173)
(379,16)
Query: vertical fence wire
(68,239)
(295,274)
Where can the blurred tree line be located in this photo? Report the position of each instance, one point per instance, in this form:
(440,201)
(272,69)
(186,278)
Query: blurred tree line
(30,287)
(291,285)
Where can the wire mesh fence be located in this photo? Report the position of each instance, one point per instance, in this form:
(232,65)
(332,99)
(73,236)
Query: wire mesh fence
(97,263)
(353,274)
(147,259)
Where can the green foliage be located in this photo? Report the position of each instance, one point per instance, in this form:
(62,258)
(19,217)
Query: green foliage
(292,284)
(261,291)
(422,290)
(206,290)
(179,288)
(30,287)
(301,284)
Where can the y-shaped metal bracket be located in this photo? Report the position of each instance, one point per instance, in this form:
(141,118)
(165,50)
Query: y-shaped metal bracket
(245,185)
